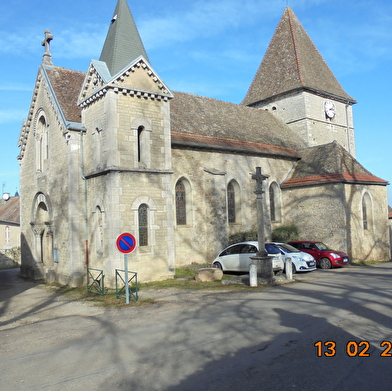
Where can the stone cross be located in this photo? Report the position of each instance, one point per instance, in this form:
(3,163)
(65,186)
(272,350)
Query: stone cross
(259,178)
(46,43)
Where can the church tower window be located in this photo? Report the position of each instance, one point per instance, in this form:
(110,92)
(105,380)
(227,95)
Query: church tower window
(143,147)
(143,225)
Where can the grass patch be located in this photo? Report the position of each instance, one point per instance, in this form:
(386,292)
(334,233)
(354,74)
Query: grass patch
(108,300)
(184,278)
(367,263)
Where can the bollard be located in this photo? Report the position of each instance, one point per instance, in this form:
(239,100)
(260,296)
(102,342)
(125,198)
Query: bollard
(288,269)
(253,274)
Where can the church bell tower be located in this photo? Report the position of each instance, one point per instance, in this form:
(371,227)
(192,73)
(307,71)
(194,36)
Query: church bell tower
(295,83)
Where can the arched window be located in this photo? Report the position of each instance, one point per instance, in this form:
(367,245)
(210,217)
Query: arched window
(140,145)
(143,225)
(42,146)
(274,202)
(367,212)
(180,203)
(97,136)
(233,202)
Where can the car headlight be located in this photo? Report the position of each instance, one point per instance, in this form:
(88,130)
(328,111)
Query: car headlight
(336,256)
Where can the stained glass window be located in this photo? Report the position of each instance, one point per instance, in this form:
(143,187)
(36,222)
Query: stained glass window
(272,203)
(180,203)
(364,214)
(143,225)
(231,202)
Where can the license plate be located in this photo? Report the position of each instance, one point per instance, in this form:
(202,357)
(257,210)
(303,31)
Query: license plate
(311,263)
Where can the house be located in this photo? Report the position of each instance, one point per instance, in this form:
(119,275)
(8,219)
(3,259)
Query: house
(114,150)
(9,222)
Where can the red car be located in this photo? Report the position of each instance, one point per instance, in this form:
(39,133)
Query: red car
(324,256)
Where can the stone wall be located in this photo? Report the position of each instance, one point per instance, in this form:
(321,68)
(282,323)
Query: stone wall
(304,113)
(208,174)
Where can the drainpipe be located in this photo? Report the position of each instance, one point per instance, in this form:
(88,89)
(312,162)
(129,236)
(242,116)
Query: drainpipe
(85,197)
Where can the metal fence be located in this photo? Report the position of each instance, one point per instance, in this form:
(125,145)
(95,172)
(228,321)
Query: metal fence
(132,284)
(95,281)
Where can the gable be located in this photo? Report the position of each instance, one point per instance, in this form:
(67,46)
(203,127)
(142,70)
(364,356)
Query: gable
(62,87)
(137,77)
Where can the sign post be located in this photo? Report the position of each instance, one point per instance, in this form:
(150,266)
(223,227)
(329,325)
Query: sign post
(126,243)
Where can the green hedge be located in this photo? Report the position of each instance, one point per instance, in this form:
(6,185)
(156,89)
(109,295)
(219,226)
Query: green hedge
(242,237)
(285,233)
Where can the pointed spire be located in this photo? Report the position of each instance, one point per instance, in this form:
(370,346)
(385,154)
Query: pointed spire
(291,62)
(123,43)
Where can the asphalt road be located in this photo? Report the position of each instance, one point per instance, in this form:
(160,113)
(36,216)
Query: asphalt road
(259,340)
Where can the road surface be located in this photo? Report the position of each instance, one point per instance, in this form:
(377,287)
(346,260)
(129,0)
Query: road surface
(292,337)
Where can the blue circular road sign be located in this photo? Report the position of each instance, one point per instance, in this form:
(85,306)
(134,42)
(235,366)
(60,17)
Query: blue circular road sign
(126,243)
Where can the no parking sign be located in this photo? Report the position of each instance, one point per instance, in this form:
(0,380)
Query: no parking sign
(126,243)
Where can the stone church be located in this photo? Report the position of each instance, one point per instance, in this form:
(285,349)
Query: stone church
(114,150)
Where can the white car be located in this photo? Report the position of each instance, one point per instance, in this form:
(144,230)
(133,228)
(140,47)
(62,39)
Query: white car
(301,261)
(237,257)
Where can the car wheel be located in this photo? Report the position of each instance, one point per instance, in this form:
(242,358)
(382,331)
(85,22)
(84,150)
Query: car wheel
(217,265)
(325,263)
(293,268)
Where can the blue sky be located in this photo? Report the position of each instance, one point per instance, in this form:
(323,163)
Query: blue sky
(209,48)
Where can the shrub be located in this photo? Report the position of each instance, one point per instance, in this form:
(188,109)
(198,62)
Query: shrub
(242,236)
(285,233)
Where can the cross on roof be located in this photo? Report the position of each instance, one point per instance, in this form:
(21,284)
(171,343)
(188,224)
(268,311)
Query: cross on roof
(46,42)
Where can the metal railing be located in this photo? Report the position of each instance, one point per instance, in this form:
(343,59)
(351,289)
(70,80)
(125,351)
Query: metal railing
(95,281)
(132,284)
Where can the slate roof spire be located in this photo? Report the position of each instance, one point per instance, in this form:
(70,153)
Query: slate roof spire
(292,62)
(123,43)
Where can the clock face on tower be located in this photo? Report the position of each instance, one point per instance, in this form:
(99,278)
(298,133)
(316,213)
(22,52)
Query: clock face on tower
(329,109)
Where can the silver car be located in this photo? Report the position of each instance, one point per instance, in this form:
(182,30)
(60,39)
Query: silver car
(237,257)
(301,261)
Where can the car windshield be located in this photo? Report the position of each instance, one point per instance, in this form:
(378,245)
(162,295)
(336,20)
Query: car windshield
(271,249)
(321,246)
(287,248)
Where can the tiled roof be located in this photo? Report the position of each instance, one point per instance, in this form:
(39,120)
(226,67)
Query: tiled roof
(123,43)
(10,210)
(67,85)
(197,115)
(291,62)
(228,143)
(329,163)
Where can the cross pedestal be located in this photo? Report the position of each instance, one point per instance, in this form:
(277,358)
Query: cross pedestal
(262,261)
